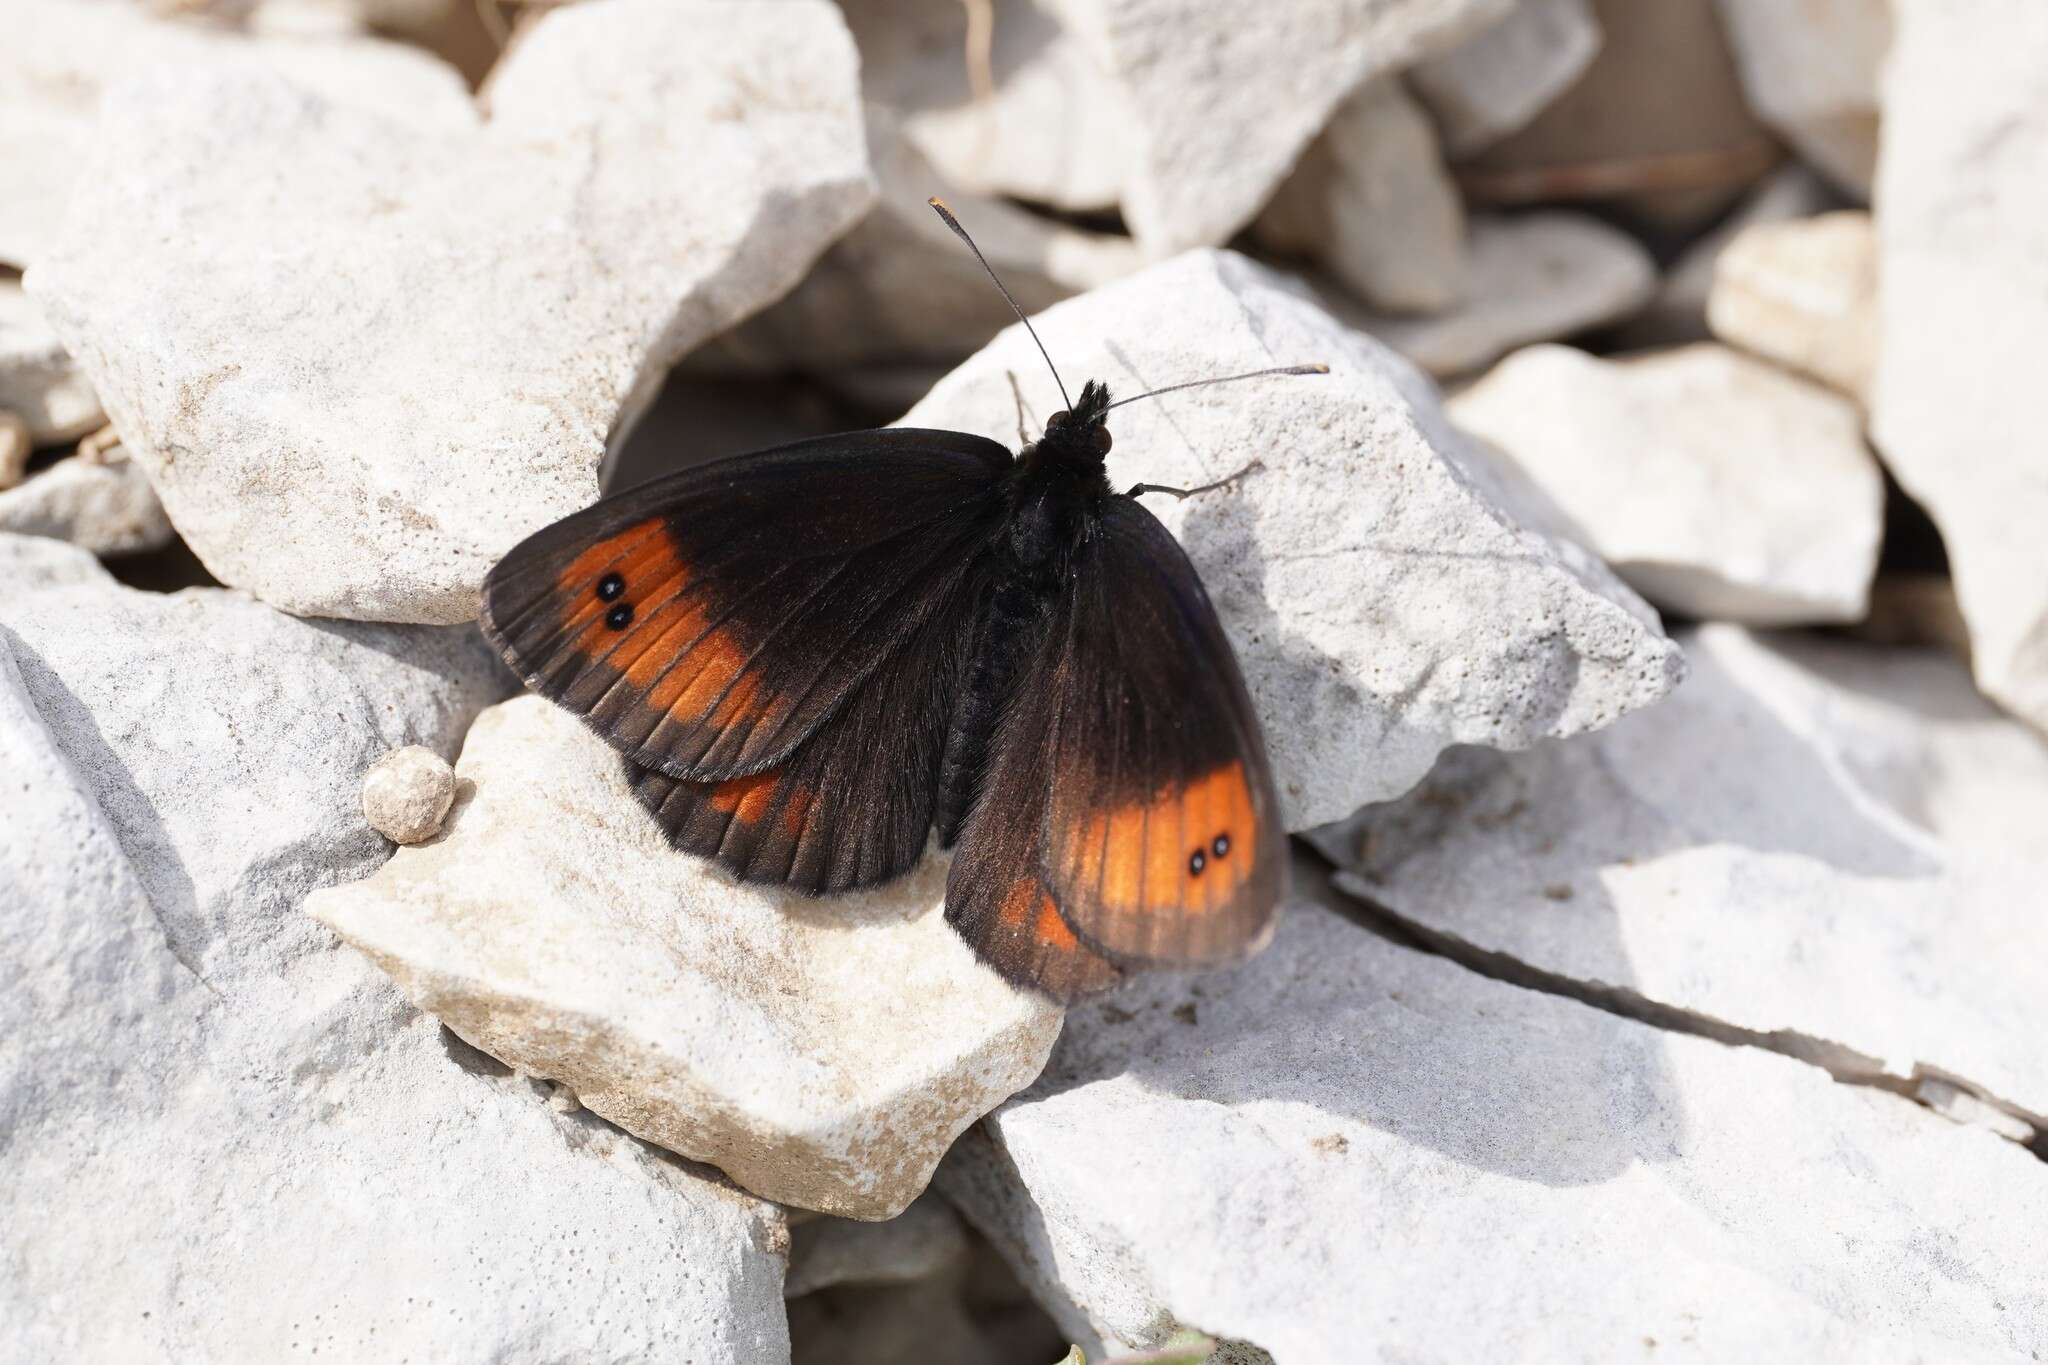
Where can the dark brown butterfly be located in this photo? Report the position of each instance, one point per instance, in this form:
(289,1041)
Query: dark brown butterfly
(812,656)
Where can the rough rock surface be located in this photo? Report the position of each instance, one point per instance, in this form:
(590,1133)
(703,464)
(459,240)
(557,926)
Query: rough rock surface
(1381,606)
(1488,1173)
(1534,277)
(39,381)
(919,1242)
(105,506)
(1371,201)
(1964,188)
(1811,71)
(239,1141)
(1803,293)
(1822,838)
(500,299)
(1051,129)
(1494,82)
(1716,485)
(60,56)
(406,794)
(823,1053)
(15,449)
(1222,107)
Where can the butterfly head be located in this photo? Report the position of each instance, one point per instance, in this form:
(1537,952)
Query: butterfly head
(1079,434)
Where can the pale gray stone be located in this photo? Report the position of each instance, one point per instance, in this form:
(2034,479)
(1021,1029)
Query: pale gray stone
(1223,101)
(1964,189)
(60,56)
(235,1139)
(103,505)
(1811,71)
(1371,201)
(39,381)
(1381,604)
(1533,277)
(823,1053)
(406,794)
(1716,485)
(924,1240)
(1804,294)
(1832,842)
(360,362)
(1345,1150)
(1494,82)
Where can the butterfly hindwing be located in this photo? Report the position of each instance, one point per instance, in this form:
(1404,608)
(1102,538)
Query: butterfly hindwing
(707,623)
(1128,782)
(853,804)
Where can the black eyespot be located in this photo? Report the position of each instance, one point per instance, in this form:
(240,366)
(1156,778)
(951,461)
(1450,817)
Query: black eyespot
(1101,440)
(1221,848)
(610,586)
(1196,862)
(618,616)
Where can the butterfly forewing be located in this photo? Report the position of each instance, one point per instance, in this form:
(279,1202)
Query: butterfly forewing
(708,623)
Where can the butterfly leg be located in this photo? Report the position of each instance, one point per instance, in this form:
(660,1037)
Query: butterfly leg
(1138,489)
(1023,434)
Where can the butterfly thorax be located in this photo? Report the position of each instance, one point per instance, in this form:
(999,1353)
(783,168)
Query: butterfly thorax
(1059,482)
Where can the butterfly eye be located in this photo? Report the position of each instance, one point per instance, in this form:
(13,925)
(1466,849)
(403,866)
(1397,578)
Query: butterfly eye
(1056,421)
(1101,440)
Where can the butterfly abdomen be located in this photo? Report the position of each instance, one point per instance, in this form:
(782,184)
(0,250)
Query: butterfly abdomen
(1010,629)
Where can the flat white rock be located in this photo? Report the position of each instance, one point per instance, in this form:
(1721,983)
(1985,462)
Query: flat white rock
(1346,1150)
(1811,71)
(105,506)
(900,289)
(1533,277)
(823,1053)
(1051,128)
(239,1141)
(1494,82)
(1954,408)
(1371,201)
(1223,101)
(1381,605)
(39,381)
(1832,840)
(360,360)
(61,56)
(1803,293)
(1716,485)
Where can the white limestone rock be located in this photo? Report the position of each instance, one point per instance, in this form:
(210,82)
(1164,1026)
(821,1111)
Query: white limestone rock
(1678,311)
(15,449)
(1835,841)
(102,505)
(360,361)
(1371,201)
(900,289)
(1530,278)
(1954,408)
(1811,71)
(60,56)
(406,794)
(1716,485)
(1223,102)
(924,1240)
(1803,293)
(823,1053)
(1052,128)
(1345,1150)
(1381,605)
(1494,82)
(39,382)
(238,1141)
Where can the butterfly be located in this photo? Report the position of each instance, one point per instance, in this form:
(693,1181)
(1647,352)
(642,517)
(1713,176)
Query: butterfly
(814,656)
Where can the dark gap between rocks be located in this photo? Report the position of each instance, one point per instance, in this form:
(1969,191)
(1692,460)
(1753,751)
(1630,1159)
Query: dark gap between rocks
(1928,1086)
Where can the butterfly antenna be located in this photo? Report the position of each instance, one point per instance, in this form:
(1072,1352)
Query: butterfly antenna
(939,207)
(1225,379)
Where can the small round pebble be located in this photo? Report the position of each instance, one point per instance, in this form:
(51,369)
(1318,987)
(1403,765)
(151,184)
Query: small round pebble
(406,794)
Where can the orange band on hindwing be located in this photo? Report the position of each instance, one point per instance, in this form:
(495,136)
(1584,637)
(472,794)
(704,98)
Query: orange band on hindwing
(1187,849)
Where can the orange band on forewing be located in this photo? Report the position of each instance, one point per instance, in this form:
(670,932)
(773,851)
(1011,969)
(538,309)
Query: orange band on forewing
(1142,855)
